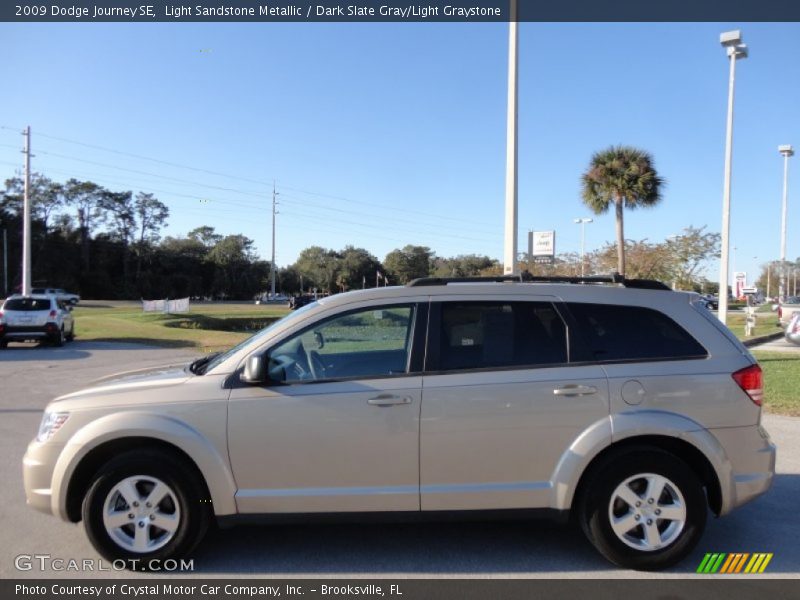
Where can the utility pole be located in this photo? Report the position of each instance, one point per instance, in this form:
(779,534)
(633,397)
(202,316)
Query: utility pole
(26,219)
(5,262)
(272,270)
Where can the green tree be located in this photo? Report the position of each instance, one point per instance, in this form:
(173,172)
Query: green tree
(86,197)
(205,235)
(319,267)
(625,177)
(357,266)
(409,263)
(689,252)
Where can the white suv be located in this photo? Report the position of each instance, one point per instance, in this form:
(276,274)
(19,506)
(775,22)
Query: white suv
(38,317)
(628,406)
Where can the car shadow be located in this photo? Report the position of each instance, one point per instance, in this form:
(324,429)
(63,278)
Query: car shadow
(78,349)
(768,524)
(26,351)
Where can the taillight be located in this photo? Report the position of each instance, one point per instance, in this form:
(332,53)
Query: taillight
(53,314)
(751,380)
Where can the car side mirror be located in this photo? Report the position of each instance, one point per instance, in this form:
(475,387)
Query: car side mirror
(253,370)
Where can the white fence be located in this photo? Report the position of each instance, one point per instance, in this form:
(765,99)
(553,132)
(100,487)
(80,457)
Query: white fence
(179,305)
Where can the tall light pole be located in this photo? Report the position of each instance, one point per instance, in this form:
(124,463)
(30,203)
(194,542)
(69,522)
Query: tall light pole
(732,42)
(510,239)
(583,221)
(786,151)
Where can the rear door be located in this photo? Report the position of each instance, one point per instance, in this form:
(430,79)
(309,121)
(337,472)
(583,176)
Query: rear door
(501,403)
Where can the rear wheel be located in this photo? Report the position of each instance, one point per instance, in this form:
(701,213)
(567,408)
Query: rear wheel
(644,509)
(58,339)
(71,334)
(145,506)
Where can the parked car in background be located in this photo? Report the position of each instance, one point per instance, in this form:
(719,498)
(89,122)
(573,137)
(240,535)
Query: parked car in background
(38,317)
(793,329)
(627,406)
(710,301)
(59,293)
(787,309)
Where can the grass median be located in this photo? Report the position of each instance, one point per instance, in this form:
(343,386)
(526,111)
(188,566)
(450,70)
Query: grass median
(207,327)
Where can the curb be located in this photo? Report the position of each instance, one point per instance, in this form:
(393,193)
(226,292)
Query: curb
(762,339)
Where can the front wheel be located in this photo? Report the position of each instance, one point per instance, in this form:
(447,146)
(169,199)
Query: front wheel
(145,506)
(644,510)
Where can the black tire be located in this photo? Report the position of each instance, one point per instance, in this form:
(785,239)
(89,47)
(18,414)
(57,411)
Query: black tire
(71,335)
(58,339)
(3,344)
(189,491)
(594,508)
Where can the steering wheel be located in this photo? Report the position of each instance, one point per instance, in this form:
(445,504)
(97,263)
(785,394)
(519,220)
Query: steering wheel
(316,365)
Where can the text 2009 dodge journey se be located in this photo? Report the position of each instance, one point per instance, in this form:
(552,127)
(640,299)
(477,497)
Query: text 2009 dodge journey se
(623,404)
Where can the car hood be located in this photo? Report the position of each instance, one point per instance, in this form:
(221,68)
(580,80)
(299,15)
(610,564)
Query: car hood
(131,383)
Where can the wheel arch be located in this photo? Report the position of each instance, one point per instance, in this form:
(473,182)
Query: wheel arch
(687,452)
(100,441)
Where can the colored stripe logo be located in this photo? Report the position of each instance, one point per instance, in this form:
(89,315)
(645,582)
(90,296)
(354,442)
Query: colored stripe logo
(733,563)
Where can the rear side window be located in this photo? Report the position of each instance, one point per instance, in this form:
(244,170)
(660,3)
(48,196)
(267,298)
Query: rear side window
(27,304)
(632,333)
(474,335)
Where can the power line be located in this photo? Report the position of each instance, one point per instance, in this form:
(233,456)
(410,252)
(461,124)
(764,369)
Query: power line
(256,181)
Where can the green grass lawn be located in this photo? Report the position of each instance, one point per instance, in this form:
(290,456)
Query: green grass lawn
(206,327)
(766,323)
(781,381)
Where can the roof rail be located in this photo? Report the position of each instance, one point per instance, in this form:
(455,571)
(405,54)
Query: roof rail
(526,277)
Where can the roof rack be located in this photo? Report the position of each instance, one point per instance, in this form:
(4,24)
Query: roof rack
(526,277)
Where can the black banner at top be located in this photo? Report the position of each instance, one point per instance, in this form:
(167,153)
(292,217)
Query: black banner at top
(150,11)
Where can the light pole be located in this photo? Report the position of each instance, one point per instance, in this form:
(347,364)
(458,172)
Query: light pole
(786,151)
(510,242)
(732,42)
(583,221)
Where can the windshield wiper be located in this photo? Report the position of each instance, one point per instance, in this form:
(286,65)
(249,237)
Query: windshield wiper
(197,367)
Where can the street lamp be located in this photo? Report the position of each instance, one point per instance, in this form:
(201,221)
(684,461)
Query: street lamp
(583,221)
(786,151)
(510,241)
(732,42)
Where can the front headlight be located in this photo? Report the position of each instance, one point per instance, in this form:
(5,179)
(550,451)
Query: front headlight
(51,422)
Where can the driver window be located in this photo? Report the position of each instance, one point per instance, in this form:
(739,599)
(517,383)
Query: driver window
(373,342)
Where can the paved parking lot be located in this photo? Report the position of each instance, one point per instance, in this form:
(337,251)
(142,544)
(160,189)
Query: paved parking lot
(31,376)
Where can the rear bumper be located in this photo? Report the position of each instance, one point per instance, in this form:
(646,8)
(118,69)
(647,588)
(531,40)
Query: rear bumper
(28,332)
(752,460)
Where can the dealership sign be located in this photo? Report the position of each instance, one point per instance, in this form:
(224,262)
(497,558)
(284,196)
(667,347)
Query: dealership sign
(542,246)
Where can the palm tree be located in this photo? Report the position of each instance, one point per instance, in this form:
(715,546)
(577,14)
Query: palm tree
(626,177)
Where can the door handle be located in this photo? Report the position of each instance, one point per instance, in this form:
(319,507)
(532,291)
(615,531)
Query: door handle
(575,390)
(388,400)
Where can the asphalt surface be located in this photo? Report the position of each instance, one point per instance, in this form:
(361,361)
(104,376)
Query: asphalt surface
(32,375)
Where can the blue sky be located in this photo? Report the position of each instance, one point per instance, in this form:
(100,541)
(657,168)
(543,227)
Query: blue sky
(384,134)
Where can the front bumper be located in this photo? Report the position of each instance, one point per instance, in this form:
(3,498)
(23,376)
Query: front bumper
(38,465)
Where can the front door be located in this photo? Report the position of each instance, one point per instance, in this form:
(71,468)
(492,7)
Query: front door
(337,427)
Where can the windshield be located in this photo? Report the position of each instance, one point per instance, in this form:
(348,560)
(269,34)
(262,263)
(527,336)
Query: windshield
(253,339)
